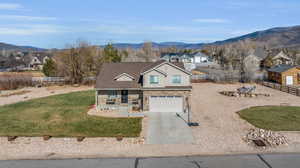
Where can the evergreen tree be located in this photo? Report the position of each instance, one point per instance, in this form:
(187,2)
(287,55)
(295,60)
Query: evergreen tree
(111,54)
(49,68)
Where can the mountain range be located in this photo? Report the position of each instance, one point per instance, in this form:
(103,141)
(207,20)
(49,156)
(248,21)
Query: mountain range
(4,46)
(275,37)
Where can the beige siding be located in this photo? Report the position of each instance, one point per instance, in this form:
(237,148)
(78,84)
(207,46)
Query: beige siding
(167,80)
(161,79)
(171,71)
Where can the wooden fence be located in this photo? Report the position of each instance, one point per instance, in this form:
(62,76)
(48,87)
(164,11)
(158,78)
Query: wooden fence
(294,90)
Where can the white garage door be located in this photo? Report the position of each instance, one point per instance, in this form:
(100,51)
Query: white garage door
(166,104)
(289,80)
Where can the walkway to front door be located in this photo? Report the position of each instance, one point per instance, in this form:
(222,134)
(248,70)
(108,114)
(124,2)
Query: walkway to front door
(167,128)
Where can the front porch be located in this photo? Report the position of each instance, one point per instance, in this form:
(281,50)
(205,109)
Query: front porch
(124,102)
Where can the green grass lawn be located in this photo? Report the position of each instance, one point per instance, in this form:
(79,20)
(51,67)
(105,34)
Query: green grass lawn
(63,116)
(276,118)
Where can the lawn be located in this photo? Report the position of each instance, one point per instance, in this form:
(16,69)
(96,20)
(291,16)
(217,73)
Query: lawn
(276,118)
(63,116)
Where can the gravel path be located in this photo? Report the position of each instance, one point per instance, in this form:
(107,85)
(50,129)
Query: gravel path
(39,92)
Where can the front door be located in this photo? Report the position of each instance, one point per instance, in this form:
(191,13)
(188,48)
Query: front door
(289,80)
(124,96)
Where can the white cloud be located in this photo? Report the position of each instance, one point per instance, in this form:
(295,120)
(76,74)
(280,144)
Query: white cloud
(10,6)
(212,20)
(26,18)
(32,29)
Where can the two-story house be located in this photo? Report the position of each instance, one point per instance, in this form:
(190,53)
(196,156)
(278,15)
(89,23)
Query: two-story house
(143,86)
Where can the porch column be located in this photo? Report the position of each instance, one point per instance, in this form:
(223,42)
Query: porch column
(96,100)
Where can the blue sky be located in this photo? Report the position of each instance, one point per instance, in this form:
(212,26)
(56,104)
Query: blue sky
(55,23)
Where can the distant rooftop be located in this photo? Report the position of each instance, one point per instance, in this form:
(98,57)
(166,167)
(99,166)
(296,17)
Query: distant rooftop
(281,68)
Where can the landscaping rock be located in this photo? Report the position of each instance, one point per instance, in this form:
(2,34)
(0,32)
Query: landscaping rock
(11,138)
(119,138)
(46,137)
(80,139)
(268,137)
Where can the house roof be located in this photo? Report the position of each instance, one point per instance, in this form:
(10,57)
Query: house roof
(281,54)
(109,71)
(185,55)
(281,68)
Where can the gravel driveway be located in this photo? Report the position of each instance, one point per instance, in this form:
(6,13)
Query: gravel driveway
(168,128)
(221,128)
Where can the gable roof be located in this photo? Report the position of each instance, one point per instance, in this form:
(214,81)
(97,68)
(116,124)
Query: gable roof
(109,71)
(281,55)
(178,65)
(253,56)
(281,68)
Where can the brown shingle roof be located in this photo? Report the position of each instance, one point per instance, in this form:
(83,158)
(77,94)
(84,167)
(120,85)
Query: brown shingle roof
(108,72)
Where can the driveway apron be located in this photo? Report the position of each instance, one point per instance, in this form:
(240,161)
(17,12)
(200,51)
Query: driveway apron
(168,128)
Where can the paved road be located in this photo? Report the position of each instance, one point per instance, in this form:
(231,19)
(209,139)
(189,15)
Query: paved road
(167,128)
(237,161)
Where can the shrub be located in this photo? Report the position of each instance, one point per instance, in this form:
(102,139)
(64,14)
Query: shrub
(10,81)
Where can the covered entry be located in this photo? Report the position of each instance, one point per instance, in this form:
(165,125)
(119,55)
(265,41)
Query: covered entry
(165,104)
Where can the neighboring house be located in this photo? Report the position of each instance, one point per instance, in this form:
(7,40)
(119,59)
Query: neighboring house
(191,61)
(37,61)
(282,58)
(252,62)
(284,74)
(201,58)
(172,57)
(150,86)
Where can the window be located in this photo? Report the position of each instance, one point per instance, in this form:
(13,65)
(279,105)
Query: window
(112,94)
(176,79)
(153,79)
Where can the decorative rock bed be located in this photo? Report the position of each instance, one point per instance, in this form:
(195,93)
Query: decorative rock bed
(237,94)
(264,138)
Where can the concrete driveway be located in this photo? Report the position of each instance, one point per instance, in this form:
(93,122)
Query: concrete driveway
(168,128)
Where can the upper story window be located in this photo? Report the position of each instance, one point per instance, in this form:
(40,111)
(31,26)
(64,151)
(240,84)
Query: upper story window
(176,79)
(153,79)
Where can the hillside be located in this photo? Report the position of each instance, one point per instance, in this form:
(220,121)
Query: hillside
(179,45)
(4,46)
(281,37)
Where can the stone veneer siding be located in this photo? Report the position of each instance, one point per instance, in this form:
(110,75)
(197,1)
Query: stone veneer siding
(184,93)
(132,94)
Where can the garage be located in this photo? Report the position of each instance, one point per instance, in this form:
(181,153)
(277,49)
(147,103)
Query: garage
(165,104)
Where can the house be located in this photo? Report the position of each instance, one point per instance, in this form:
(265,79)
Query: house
(284,74)
(201,58)
(252,62)
(191,60)
(281,58)
(37,60)
(143,86)
(172,57)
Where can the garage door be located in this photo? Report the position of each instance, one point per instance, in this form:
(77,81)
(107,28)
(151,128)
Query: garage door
(166,104)
(289,80)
